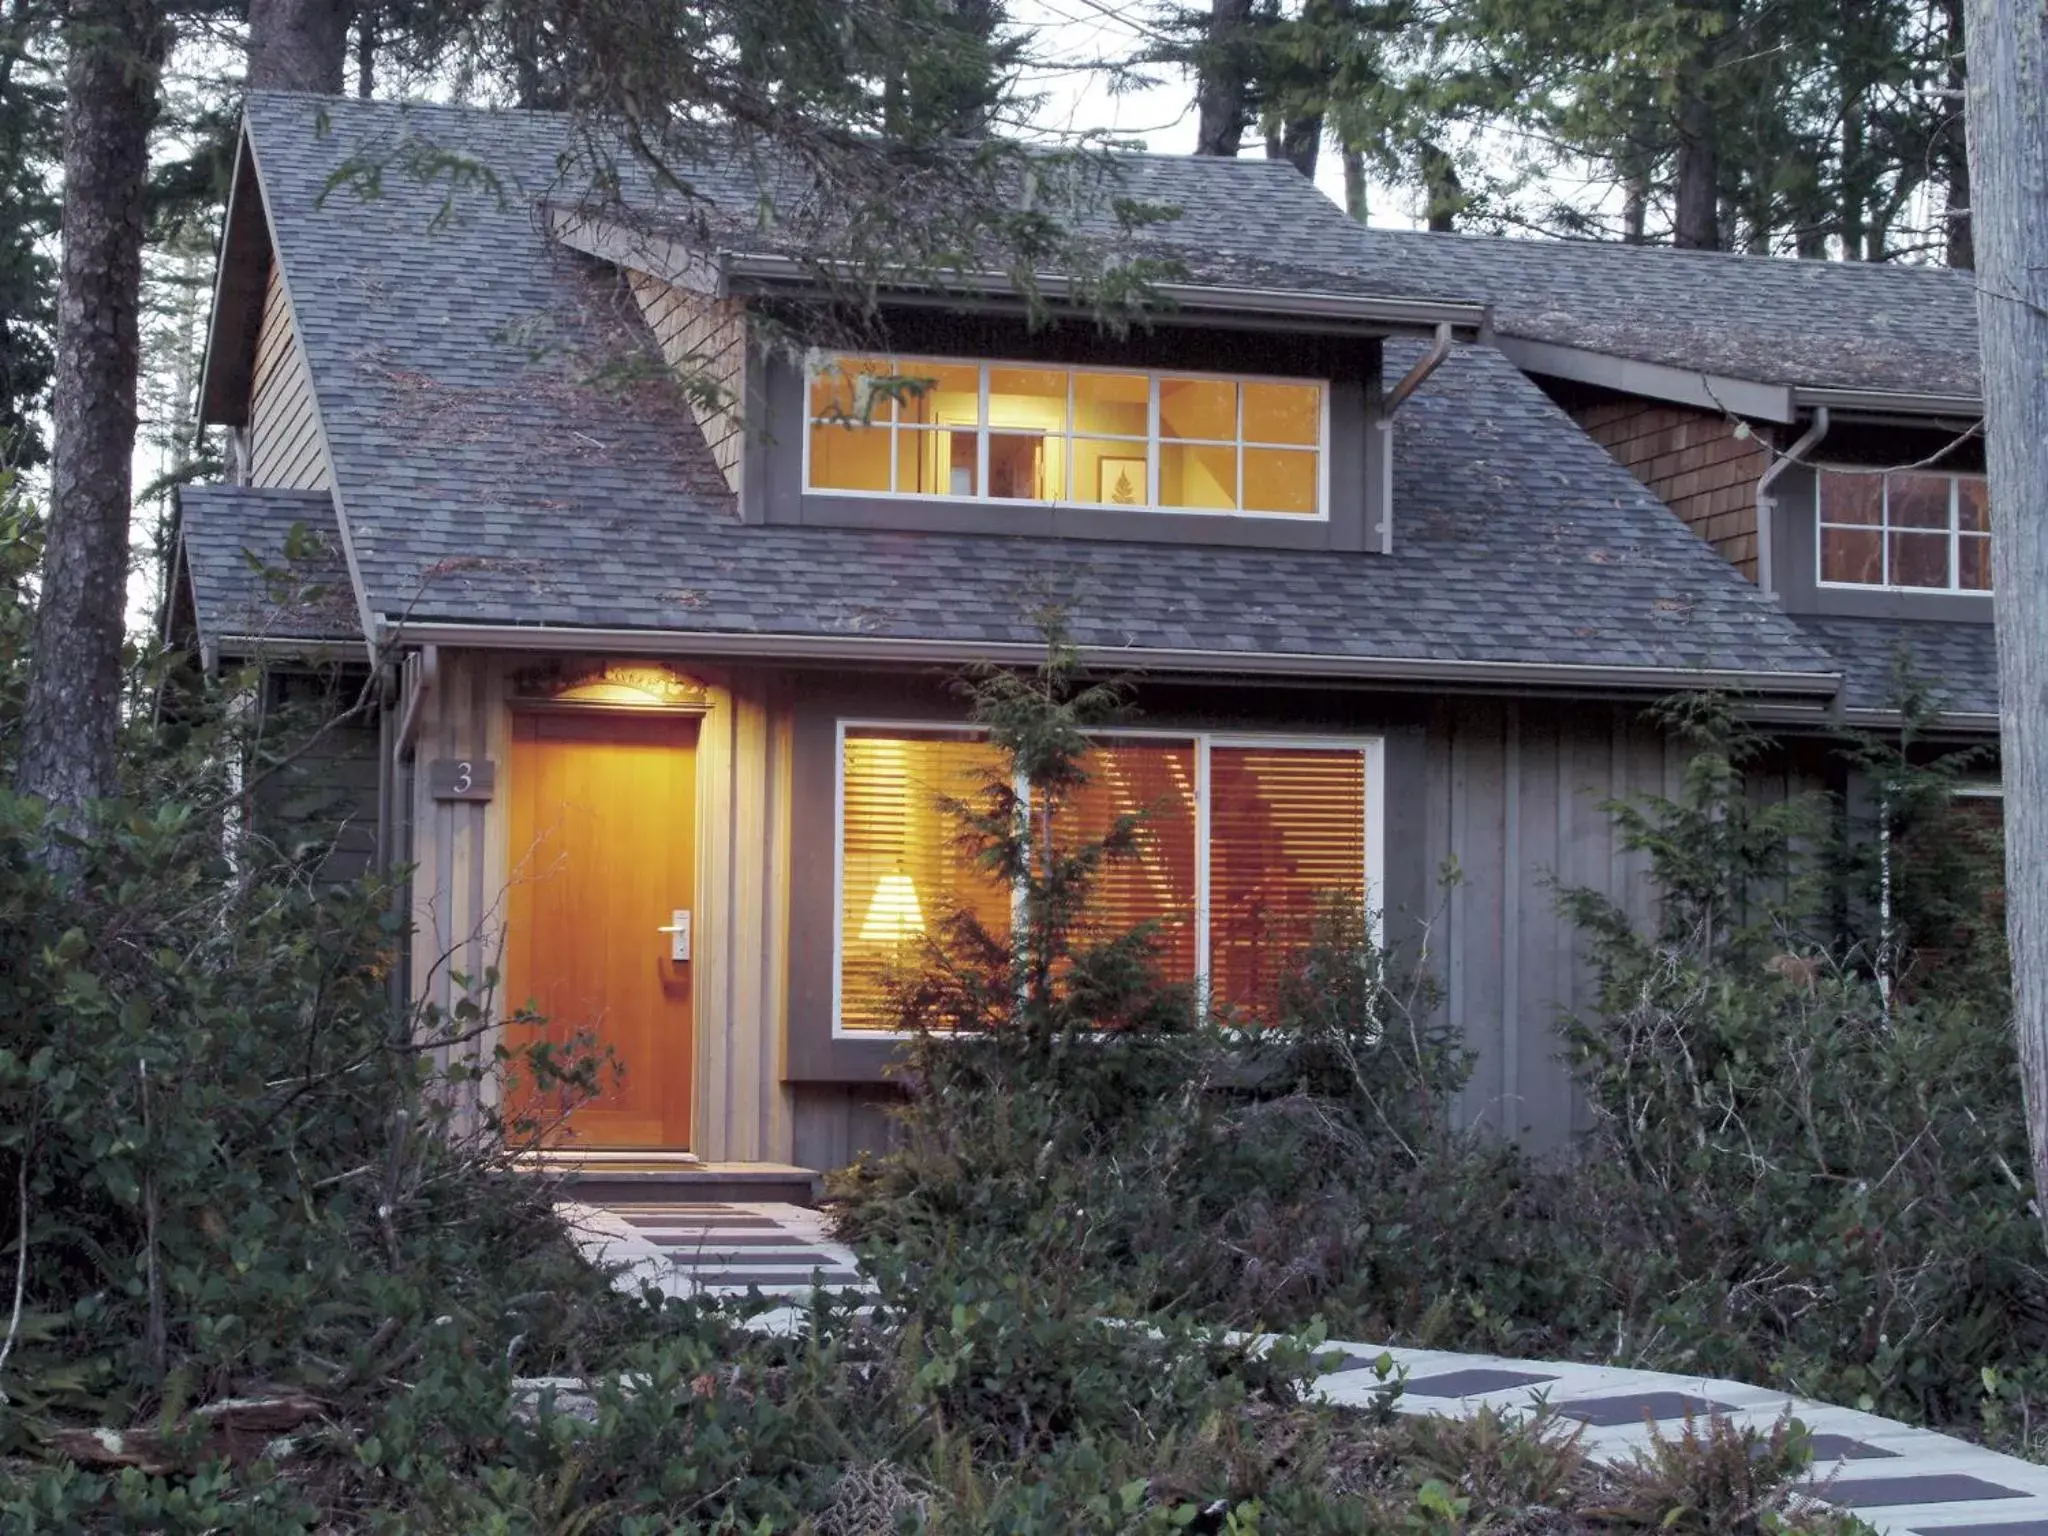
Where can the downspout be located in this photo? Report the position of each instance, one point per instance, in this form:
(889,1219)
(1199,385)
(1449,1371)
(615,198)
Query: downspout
(1411,381)
(1767,504)
(417,675)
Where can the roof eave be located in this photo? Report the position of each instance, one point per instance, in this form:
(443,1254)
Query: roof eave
(1304,309)
(1890,402)
(231,326)
(1657,381)
(1817,687)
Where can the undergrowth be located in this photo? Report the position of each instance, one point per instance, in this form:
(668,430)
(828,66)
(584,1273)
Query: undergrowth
(1806,1132)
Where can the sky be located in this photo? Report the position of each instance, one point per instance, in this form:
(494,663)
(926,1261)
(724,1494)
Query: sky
(1079,38)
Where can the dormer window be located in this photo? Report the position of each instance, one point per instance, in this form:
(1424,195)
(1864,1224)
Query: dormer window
(991,432)
(1904,530)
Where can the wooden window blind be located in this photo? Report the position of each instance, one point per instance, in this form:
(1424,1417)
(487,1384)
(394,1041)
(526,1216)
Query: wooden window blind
(902,868)
(1286,836)
(1158,779)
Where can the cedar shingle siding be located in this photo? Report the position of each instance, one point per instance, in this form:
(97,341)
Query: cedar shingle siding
(705,341)
(1694,461)
(284,433)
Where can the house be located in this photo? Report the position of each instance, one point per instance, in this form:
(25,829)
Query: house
(662,669)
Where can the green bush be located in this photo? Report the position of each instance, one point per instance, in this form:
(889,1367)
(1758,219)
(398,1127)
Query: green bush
(1801,1171)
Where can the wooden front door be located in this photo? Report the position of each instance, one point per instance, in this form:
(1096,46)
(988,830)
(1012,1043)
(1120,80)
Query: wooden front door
(604,853)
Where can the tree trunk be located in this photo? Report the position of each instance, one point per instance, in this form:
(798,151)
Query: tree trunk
(1299,142)
(1354,184)
(1955,144)
(1223,80)
(298,45)
(72,721)
(2008,134)
(1441,187)
(1696,218)
(366,53)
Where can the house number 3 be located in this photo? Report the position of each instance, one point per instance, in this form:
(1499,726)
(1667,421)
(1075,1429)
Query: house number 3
(461,778)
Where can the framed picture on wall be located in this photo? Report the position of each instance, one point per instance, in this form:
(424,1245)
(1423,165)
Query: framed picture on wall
(1120,482)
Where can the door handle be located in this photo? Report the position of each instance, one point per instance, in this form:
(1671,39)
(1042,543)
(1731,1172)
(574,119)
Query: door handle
(678,930)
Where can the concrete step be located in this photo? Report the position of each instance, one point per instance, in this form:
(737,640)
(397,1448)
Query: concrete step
(684,1184)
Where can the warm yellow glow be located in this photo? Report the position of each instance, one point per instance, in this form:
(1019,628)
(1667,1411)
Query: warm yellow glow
(621,682)
(893,912)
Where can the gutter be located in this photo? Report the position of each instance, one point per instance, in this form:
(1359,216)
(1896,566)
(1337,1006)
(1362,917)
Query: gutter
(1889,402)
(758,272)
(1397,397)
(1767,504)
(860,650)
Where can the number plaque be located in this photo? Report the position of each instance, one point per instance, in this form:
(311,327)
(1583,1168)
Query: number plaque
(461,778)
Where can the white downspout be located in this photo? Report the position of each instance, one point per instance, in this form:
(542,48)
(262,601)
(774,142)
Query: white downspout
(1767,504)
(1411,381)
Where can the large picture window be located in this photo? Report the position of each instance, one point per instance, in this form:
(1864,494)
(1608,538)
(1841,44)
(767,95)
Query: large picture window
(1246,844)
(1906,530)
(930,427)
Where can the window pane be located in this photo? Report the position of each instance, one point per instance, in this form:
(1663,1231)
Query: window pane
(842,387)
(1027,397)
(1283,413)
(1279,480)
(1286,839)
(1973,504)
(1916,501)
(1919,560)
(945,394)
(903,869)
(1022,466)
(1192,476)
(1157,779)
(1852,555)
(1111,474)
(1974,552)
(934,463)
(1198,408)
(848,457)
(1113,404)
(1847,498)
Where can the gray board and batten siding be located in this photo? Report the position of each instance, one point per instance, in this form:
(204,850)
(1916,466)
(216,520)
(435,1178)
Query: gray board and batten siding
(1509,792)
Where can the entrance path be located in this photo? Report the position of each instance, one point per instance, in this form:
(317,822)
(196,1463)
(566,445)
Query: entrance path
(1896,1478)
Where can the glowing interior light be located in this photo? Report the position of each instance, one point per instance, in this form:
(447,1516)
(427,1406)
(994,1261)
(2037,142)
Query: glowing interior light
(893,912)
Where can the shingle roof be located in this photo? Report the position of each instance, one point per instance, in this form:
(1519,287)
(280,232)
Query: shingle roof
(266,566)
(1957,661)
(1816,324)
(495,465)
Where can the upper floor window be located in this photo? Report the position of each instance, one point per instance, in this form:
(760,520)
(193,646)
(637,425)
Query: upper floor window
(1091,437)
(1907,530)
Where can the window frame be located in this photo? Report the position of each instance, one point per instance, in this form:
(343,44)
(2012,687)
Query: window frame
(1153,442)
(1371,748)
(1885,529)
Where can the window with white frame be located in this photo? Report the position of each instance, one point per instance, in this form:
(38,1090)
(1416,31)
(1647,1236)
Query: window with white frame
(1094,437)
(1908,530)
(1246,843)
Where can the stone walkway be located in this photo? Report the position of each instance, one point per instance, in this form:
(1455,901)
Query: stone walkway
(1894,1477)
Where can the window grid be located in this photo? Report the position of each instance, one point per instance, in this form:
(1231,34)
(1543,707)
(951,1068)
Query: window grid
(1370,750)
(1887,532)
(1070,435)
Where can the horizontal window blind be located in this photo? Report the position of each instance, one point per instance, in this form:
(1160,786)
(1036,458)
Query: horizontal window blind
(903,870)
(1157,780)
(1286,838)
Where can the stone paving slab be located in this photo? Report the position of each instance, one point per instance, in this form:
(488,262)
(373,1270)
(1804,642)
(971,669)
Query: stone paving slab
(1901,1480)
